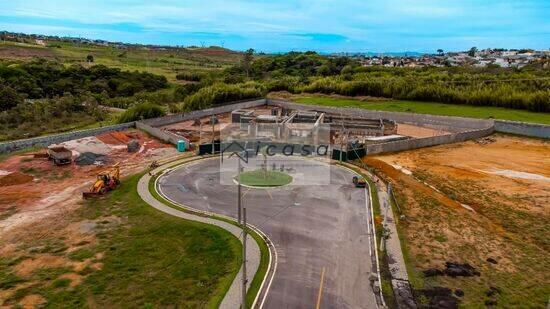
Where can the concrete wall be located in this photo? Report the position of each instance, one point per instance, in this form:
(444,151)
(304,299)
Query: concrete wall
(445,123)
(44,141)
(163,121)
(522,128)
(165,136)
(428,141)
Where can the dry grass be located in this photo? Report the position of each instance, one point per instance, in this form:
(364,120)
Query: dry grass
(509,224)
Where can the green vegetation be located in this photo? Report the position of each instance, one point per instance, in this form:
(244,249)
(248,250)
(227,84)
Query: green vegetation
(484,112)
(39,79)
(186,79)
(140,112)
(40,97)
(264,250)
(150,260)
(264,178)
(50,115)
(219,93)
(527,88)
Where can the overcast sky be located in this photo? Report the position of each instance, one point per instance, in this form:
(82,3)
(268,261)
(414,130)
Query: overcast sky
(279,26)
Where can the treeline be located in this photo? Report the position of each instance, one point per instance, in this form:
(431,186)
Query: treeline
(50,116)
(526,88)
(40,96)
(40,79)
(500,94)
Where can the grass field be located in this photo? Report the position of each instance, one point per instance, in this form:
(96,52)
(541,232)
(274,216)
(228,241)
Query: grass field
(162,62)
(483,112)
(264,250)
(259,178)
(147,259)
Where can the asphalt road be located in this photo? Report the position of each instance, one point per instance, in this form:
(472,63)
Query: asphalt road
(319,231)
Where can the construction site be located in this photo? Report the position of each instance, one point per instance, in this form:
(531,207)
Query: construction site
(474,198)
(34,186)
(346,131)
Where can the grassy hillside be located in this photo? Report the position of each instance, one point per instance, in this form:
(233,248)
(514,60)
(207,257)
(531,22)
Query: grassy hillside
(161,62)
(484,112)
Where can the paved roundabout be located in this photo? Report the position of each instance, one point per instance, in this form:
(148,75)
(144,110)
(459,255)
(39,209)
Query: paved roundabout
(320,232)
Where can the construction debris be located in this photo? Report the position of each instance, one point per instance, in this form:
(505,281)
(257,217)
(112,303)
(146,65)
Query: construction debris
(133,146)
(89,158)
(453,270)
(485,140)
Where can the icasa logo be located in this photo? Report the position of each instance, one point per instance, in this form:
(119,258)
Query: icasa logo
(270,149)
(240,150)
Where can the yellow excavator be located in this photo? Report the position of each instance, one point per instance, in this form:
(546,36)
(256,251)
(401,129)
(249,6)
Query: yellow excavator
(106,181)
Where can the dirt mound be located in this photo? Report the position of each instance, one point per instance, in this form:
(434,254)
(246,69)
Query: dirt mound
(114,138)
(89,158)
(453,270)
(15,179)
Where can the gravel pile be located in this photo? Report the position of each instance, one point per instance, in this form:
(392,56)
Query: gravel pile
(89,158)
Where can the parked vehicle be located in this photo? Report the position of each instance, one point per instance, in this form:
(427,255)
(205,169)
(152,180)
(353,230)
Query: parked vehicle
(359,182)
(60,155)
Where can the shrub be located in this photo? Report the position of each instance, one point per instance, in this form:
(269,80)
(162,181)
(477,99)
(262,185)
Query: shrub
(9,98)
(221,93)
(141,111)
(189,76)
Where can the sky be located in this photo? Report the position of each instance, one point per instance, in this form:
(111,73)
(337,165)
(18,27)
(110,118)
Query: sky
(281,26)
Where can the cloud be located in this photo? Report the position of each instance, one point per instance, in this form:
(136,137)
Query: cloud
(325,25)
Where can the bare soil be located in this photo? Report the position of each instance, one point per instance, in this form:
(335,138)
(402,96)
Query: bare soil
(418,132)
(37,199)
(473,201)
(25,52)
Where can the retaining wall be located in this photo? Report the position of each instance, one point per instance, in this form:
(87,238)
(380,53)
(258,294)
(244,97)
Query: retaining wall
(522,128)
(163,121)
(428,141)
(165,136)
(44,141)
(445,123)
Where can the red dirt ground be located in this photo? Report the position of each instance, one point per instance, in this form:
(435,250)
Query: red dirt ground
(36,188)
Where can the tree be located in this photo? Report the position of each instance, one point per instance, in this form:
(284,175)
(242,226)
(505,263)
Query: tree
(9,98)
(347,69)
(472,51)
(440,52)
(323,70)
(247,60)
(89,58)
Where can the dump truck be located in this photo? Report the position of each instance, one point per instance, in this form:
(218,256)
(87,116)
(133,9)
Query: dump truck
(106,181)
(60,155)
(359,182)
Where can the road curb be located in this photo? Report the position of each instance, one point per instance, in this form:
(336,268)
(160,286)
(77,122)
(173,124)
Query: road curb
(198,215)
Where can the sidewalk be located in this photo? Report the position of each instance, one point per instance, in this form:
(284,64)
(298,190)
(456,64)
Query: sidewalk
(396,261)
(233,297)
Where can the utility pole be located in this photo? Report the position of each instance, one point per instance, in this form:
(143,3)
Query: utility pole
(244,261)
(239,199)
(213,122)
(200,133)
